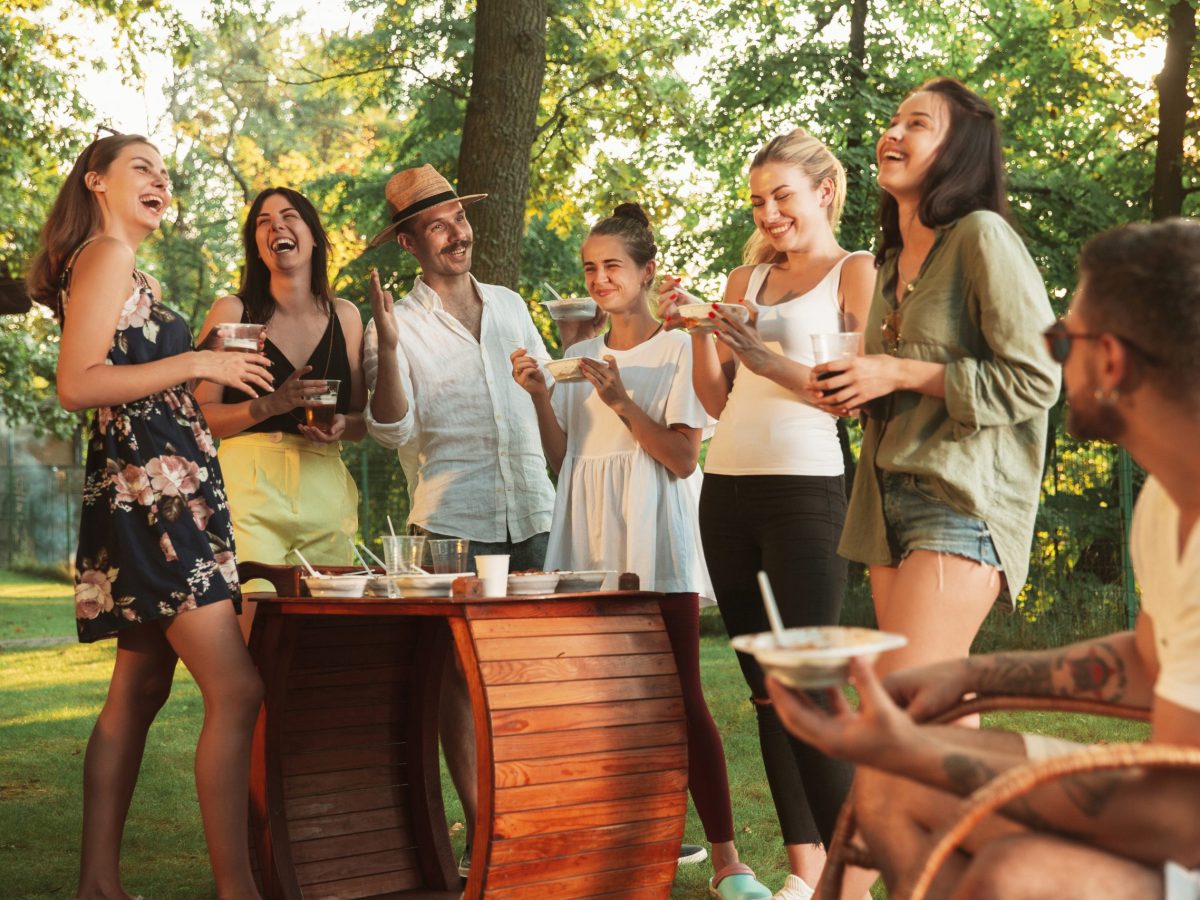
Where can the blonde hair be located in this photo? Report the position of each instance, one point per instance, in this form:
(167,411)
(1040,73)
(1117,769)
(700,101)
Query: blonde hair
(797,148)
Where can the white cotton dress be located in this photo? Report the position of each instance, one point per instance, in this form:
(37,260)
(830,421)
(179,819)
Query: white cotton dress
(616,507)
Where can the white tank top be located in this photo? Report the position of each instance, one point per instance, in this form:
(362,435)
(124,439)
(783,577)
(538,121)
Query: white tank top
(765,429)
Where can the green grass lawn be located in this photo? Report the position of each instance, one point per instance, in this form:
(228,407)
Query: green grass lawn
(51,695)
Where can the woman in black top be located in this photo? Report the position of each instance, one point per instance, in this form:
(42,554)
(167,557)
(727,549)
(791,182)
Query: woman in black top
(288,487)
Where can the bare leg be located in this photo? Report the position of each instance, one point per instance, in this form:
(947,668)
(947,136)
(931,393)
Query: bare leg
(210,643)
(1040,867)
(457,730)
(141,683)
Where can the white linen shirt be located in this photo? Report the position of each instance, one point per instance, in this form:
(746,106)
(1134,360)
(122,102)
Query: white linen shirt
(469,443)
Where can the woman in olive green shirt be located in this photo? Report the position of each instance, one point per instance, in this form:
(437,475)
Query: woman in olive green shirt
(956,383)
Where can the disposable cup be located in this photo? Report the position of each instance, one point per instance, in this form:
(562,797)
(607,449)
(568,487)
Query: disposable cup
(493,569)
(321,407)
(241,337)
(403,553)
(448,555)
(832,347)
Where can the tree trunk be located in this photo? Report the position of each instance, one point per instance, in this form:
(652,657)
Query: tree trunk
(1174,104)
(499,130)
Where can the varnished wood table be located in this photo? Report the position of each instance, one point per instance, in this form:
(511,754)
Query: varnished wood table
(580,740)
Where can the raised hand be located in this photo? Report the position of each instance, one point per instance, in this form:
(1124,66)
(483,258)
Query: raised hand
(744,340)
(382,312)
(572,331)
(671,296)
(527,373)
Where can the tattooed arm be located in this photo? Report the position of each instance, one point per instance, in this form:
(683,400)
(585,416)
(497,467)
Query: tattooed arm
(1118,668)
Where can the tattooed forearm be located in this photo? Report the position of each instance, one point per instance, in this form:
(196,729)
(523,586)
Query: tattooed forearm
(966,773)
(1095,670)
(1099,671)
(1090,792)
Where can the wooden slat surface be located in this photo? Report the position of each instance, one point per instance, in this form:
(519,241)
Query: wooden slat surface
(598,860)
(590,715)
(555,646)
(641,880)
(563,793)
(571,625)
(541,847)
(568,668)
(571,693)
(578,766)
(542,745)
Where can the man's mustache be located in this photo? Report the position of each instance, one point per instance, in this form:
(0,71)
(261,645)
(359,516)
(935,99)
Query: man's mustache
(458,245)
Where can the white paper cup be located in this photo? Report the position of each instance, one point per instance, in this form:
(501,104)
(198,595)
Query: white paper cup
(493,570)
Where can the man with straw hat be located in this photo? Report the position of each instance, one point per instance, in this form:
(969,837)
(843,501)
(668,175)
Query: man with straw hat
(437,362)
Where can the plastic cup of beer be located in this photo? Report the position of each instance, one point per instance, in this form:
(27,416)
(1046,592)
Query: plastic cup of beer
(240,337)
(320,407)
(402,553)
(832,347)
(448,555)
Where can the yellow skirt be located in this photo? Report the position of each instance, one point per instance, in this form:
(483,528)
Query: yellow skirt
(287,493)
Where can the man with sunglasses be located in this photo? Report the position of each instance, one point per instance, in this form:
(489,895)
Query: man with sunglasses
(1128,348)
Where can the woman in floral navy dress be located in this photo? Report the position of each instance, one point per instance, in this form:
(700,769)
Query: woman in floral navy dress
(155,565)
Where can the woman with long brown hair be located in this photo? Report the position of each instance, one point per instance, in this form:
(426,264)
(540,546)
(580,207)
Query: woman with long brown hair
(155,565)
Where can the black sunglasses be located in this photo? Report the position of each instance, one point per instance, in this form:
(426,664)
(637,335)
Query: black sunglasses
(1059,339)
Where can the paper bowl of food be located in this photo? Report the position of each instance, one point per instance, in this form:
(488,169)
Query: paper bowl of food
(571,308)
(819,657)
(569,368)
(695,315)
(336,585)
(581,582)
(532,582)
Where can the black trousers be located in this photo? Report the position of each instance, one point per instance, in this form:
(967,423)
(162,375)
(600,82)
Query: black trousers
(788,526)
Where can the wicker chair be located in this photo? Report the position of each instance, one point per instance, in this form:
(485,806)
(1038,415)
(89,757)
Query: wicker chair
(846,849)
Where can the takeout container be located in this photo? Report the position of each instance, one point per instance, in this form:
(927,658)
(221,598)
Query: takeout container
(571,308)
(580,582)
(569,368)
(695,315)
(336,585)
(541,583)
(817,657)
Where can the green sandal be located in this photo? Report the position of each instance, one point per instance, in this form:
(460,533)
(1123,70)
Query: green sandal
(737,882)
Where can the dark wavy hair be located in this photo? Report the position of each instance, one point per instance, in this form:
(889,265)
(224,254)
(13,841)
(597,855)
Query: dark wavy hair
(1143,284)
(74,218)
(967,174)
(255,289)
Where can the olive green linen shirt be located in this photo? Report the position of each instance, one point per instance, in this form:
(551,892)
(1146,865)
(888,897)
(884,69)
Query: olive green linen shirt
(979,307)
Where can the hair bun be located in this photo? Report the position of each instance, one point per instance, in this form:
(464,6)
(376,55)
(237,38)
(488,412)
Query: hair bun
(632,211)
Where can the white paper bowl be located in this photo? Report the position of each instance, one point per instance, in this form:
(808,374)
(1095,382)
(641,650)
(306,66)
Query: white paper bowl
(567,369)
(336,585)
(816,657)
(571,308)
(695,315)
(544,583)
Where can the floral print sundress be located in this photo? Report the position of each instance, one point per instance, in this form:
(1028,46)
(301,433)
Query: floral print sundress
(155,536)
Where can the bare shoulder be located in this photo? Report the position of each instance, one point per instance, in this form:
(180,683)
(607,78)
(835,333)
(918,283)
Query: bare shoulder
(228,305)
(738,280)
(349,316)
(104,257)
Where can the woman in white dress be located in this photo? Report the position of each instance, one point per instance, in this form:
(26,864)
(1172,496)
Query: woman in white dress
(626,442)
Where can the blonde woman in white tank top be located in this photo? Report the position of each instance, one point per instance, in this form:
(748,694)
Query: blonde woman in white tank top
(774,491)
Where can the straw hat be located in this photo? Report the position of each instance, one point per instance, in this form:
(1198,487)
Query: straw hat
(413,191)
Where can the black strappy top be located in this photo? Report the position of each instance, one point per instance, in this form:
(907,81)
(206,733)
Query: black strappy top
(328,360)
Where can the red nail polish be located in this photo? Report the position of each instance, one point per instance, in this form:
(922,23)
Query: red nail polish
(712,315)
(673,296)
(714,306)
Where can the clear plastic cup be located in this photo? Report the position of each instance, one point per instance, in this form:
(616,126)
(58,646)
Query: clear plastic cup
(493,569)
(402,553)
(320,408)
(448,555)
(240,337)
(832,347)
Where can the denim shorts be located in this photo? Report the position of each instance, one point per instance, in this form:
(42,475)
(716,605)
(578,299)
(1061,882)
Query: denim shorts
(918,519)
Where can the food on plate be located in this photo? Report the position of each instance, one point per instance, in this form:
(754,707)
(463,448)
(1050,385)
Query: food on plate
(466,586)
(629,581)
(696,315)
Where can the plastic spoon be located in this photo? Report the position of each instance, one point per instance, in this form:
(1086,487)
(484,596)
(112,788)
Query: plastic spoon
(764,585)
(381,563)
(557,295)
(311,571)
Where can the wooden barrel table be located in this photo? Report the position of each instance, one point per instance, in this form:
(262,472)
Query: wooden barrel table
(579,735)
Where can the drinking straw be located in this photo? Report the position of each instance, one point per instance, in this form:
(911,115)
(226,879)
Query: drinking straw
(764,585)
(311,571)
(354,547)
(390,528)
(374,557)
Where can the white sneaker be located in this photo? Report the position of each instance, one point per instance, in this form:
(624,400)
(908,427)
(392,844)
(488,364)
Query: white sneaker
(794,888)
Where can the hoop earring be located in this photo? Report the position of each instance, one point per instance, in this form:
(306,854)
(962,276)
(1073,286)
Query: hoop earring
(1106,398)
